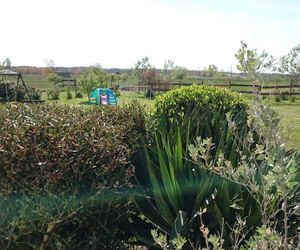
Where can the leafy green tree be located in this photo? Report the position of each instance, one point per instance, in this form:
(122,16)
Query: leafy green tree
(253,63)
(179,73)
(95,77)
(290,64)
(167,72)
(140,67)
(124,77)
(114,77)
(100,77)
(150,77)
(212,70)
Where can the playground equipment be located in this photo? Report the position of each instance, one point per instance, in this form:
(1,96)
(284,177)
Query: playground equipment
(13,87)
(103,96)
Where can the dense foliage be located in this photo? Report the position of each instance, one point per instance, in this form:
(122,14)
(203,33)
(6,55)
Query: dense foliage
(213,176)
(213,203)
(62,174)
(174,104)
(180,189)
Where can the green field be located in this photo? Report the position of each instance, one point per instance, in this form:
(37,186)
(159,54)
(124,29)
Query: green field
(37,81)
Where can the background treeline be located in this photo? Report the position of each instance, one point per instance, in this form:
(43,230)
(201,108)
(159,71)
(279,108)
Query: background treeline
(82,70)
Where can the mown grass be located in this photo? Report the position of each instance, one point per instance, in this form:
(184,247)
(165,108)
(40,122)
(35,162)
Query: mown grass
(37,81)
(125,97)
(290,121)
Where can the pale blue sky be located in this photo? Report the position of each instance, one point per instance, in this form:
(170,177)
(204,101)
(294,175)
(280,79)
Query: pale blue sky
(116,33)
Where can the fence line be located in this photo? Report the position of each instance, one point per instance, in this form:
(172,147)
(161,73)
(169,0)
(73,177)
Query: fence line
(291,89)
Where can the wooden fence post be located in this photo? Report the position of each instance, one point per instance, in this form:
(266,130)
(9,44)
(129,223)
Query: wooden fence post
(291,88)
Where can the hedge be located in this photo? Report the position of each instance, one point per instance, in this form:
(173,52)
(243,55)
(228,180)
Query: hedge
(63,172)
(175,103)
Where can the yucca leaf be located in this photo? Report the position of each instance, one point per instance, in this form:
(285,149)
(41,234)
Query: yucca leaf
(204,188)
(225,198)
(178,152)
(179,223)
(157,192)
(146,206)
(169,187)
(217,213)
(142,230)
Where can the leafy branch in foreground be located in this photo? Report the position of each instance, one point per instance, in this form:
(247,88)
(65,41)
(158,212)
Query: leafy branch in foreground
(269,172)
(183,201)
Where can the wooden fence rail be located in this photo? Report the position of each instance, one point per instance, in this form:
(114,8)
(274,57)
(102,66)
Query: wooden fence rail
(291,89)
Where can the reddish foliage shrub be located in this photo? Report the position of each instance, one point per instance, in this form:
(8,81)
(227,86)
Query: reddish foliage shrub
(62,169)
(57,147)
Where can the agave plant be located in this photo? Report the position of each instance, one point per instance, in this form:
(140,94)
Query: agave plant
(180,199)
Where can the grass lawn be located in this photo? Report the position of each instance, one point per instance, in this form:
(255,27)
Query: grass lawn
(290,121)
(37,81)
(125,97)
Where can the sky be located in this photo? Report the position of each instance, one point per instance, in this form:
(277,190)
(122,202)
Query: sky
(118,33)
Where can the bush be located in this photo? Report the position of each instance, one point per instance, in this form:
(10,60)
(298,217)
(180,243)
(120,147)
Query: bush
(149,93)
(293,99)
(53,77)
(284,95)
(69,94)
(54,93)
(116,89)
(64,172)
(12,92)
(174,104)
(277,98)
(35,93)
(78,95)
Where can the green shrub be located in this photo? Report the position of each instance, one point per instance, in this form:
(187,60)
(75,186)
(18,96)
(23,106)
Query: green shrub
(64,172)
(78,95)
(284,95)
(175,103)
(293,98)
(54,94)
(69,95)
(277,98)
(10,91)
(116,89)
(149,93)
(35,93)
(53,77)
